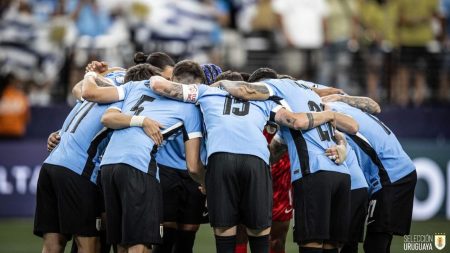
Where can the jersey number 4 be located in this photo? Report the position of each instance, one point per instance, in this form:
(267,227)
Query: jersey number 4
(138,108)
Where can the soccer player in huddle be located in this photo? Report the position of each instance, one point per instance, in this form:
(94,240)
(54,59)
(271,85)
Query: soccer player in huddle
(321,188)
(129,171)
(389,171)
(184,204)
(67,198)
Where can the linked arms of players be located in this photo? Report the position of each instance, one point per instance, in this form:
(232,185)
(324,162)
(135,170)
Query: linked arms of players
(305,121)
(363,103)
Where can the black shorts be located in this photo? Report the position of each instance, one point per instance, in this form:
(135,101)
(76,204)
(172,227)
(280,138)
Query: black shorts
(359,199)
(322,207)
(390,208)
(238,190)
(133,201)
(66,203)
(182,200)
(414,57)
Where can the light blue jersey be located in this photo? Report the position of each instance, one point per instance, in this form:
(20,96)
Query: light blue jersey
(81,134)
(117,77)
(131,145)
(356,173)
(306,148)
(378,144)
(232,125)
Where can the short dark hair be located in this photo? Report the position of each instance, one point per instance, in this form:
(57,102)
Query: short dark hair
(230,75)
(157,59)
(188,71)
(141,72)
(262,74)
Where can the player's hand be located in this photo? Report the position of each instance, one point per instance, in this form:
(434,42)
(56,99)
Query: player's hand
(337,153)
(153,130)
(53,141)
(97,66)
(216,84)
(329,92)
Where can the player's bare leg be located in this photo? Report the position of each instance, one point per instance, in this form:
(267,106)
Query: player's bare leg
(330,247)
(86,244)
(278,235)
(139,248)
(54,243)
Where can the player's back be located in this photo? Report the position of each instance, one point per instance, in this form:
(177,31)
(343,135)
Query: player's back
(131,145)
(386,145)
(306,148)
(233,125)
(79,136)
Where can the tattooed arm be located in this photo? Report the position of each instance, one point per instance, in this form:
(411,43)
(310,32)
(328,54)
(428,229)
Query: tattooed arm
(245,90)
(173,90)
(363,103)
(305,121)
(99,89)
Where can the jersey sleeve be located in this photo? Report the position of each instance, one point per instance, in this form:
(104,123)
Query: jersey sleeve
(116,77)
(124,90)
(116,106)
(193,122)
(192,92)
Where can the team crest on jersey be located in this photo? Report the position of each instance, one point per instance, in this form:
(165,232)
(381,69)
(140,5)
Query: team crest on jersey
(439,241)
(120,79)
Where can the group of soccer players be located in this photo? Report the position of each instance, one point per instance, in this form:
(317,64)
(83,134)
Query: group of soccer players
(150,153)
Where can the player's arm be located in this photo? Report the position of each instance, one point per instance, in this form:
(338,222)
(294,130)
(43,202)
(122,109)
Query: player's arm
(173,90)
(245,90)
(277,149)
(363,103)
(193,162)
(78,90)
(308,120)
(327,91)
(98,89)
(113,118)
(338,153)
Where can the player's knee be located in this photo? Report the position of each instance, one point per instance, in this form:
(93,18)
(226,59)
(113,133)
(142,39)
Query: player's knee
(258,232)
(189,227)
(170,225)
(312,244)
(54,243)
(86,244)
(225,231)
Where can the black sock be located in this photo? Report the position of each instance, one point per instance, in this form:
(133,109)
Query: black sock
(225,244)
(310,250)
(377,242)
(185,241)
(350,247)
(259,244)
(336,250)
(169,236)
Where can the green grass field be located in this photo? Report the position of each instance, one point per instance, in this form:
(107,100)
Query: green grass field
(16,237)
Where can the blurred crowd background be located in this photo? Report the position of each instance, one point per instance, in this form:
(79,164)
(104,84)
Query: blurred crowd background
(395,51)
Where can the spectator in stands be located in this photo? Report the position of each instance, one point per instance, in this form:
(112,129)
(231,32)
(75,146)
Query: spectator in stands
(303,27)
(339,32)
(415,33)
(377,24)
(14,109)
